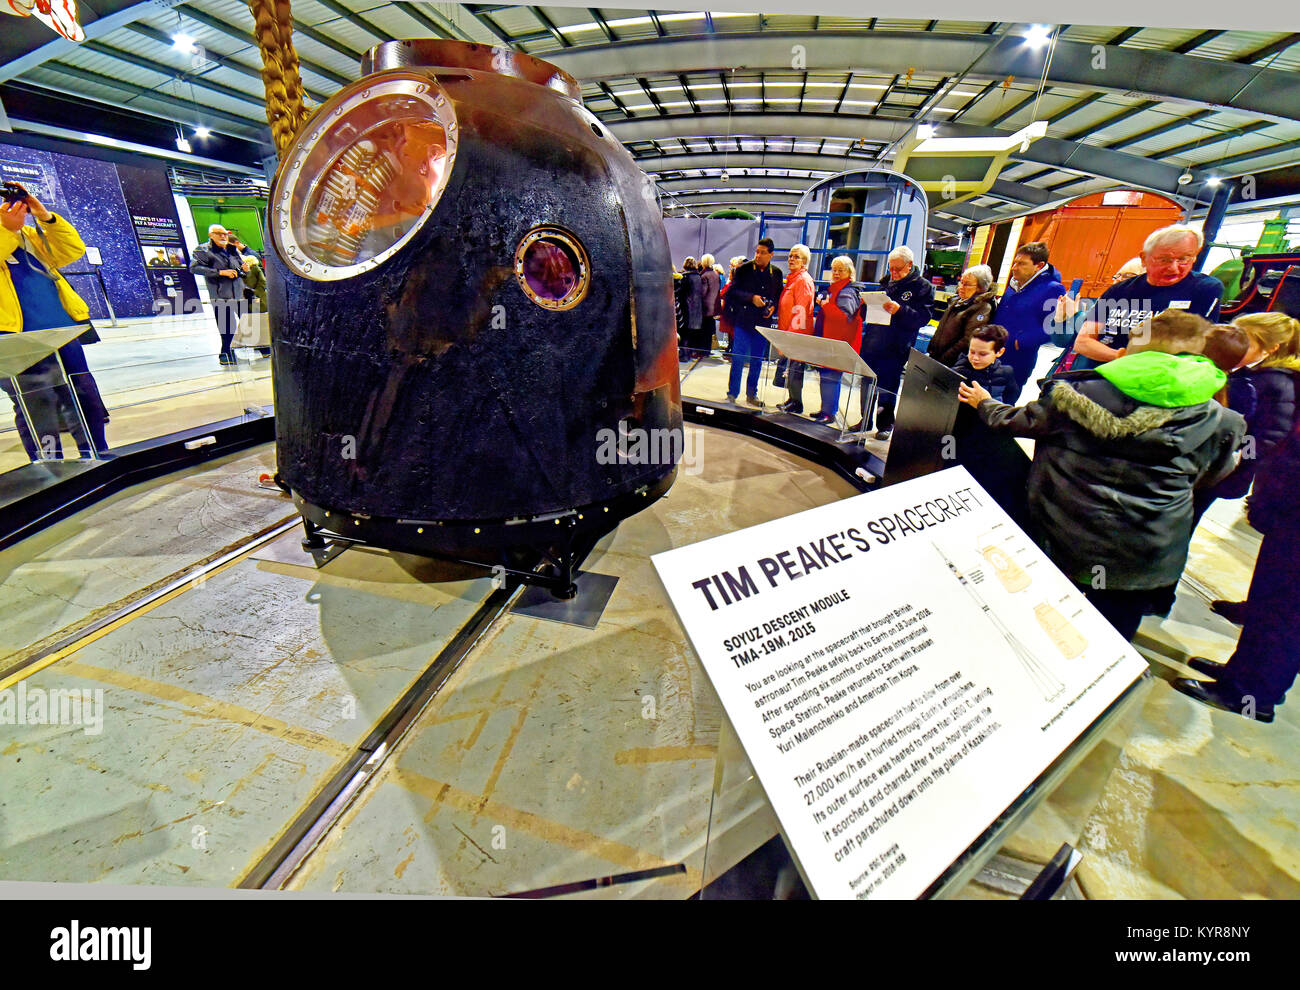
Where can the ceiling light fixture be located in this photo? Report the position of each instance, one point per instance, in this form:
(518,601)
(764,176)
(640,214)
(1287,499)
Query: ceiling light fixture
(1038,36)
(202,132)
(183,145)
(925,132)
(183,43)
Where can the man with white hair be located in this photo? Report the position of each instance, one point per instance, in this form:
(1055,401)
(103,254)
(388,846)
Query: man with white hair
(220,265)
(885,346)
(1169,283)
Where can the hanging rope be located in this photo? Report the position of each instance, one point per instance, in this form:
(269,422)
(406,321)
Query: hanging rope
(286,110)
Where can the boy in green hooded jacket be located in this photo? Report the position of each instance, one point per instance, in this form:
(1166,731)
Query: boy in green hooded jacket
(1118,451)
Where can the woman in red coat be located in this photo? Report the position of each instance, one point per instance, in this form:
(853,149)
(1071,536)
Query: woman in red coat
(795,314)
(839,317)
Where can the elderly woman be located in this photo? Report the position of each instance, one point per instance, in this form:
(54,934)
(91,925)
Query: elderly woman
(711,279)
(794,312)
(839,317)
(255,295)
(973,307)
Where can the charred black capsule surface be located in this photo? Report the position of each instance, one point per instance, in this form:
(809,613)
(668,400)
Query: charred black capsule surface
(472,287)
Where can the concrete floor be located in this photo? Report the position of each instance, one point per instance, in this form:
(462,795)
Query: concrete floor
(70,574)
(230,704)
(555,753)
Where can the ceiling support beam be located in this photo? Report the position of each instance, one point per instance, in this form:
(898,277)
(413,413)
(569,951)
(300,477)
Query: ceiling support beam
(355,19)
(198,115)
(1068,156)
(61,46)
(177,75)
(480,14)
(244,35)
(1167,77)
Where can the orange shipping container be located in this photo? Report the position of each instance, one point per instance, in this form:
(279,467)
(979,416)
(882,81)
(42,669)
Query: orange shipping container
(1089,237)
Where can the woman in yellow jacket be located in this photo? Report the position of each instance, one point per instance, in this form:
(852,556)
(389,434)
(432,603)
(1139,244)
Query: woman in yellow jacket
(35,296)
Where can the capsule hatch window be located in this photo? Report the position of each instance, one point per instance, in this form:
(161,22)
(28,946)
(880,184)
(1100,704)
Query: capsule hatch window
(364,177)
(551,267)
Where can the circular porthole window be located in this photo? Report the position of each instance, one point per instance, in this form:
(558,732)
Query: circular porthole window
(552,268)
(364,177)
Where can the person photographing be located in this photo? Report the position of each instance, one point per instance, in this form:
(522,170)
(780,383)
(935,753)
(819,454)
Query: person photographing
(35,296)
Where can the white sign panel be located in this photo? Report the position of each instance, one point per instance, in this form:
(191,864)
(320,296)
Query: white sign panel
(899,666)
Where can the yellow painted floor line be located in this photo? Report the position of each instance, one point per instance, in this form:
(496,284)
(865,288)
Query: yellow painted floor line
(210,706)
(580,840)
(664,754)
(118,623)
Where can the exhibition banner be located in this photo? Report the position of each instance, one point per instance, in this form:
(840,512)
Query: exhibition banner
(126,213)
(36,178)
(899,667)
(148,196)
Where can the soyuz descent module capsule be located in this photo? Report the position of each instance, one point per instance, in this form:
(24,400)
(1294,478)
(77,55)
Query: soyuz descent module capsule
(472,312)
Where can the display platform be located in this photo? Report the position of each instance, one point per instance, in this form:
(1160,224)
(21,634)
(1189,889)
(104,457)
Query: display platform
(231,704)
(553,755)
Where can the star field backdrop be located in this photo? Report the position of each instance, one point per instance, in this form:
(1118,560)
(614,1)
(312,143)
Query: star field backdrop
(124,210)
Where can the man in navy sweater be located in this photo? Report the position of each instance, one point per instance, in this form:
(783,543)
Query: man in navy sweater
(885,347)
(1168,254)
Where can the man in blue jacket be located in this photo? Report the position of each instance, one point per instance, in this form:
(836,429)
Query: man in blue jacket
(885,346)
(1028,307)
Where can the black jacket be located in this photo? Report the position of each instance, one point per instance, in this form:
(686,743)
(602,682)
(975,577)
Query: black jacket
(747,283)
(1268,398)
(998,378)
(208,259)
(1271,507)
(1276,394)
(1111,482)
(915,296)
(693,297)
(965,316)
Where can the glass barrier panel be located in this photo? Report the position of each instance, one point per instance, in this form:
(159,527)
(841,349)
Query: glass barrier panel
(144,378)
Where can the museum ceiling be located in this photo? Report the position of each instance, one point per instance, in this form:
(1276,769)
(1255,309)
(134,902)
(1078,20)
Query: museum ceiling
(724,109)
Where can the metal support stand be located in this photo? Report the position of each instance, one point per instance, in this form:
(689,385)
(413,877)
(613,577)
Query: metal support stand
(1055,875)
(99,275)
(76,404)
(859,436)
(323,550)
(27,417)
(555,569)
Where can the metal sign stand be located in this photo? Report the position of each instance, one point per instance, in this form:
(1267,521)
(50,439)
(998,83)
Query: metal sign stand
(99,277)
(837,355)
(19,351)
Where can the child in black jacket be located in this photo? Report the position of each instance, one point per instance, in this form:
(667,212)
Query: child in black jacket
(980,364)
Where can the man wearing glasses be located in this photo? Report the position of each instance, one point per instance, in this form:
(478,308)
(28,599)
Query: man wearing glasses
(1169,283)
(220,264)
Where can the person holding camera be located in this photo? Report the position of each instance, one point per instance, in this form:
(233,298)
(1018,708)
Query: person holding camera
(221,265)
(35,296)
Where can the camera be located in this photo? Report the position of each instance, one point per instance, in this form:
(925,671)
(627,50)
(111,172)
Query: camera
(13,193)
